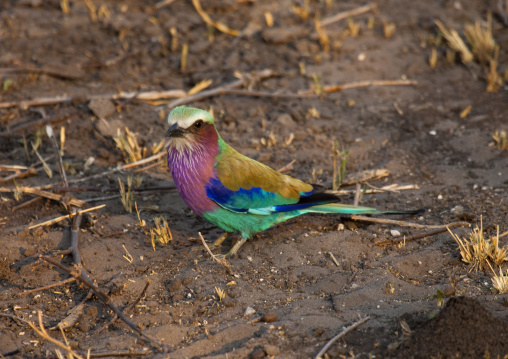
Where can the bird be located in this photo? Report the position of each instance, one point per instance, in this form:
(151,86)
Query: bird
(232,191)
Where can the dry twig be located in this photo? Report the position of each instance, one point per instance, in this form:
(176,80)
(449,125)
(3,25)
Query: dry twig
(61,218)
(340,335)
(206,18)
(127,310)
(439,229)
(353,85)
(214,257)
(80,274)
(61,168)
(62,282)
(244,80)
(42,121)
(346,14)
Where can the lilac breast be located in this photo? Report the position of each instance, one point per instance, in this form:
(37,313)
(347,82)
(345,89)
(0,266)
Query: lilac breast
(192,167)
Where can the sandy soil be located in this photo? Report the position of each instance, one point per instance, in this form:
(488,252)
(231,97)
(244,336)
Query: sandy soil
(416,132)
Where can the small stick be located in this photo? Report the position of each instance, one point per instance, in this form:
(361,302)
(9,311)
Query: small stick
(43,333)
(74,314)
(381,189)
(61,218)
(81,275)
(112,189)
(266,94)
(287,167)
(215,259)
(51,135)
(38,122)
(105,173)
(53,196)
(126,311)
(340,335)
(44,164)
(353,85)
(206,18)
(48,70)
(259,75)
(334,259)
(358,194)
(345,14)
(14,168)
(32,170)
(344,192)
(404,223)
(25,204)
(422,235)
(144,96)
(62,282)
(146,168)
(103,198)
(24,174)
(125,353)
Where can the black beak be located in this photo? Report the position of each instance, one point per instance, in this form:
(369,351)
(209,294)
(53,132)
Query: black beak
(175,131)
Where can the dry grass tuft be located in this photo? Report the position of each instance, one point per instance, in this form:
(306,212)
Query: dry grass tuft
(480,252)
(501,140)
(302,12)
(481,40)
(339,172)
(482,49)
(324,39)
(388,29)
(494,79)
(456,42)
(161,234)
(220,293)
(128,143)
(127,197)
(500,282)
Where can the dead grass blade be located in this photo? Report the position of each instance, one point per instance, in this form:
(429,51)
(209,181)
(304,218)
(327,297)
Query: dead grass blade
(501,140)
(479,252)
(455,42)
(500,282)
(346,14)
(206,18)
(481,40)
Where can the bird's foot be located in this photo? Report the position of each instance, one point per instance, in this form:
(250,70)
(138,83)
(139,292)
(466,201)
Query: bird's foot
(218,242)
(233,251)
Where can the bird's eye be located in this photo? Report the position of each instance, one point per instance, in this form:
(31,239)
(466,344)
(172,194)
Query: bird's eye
(198,124)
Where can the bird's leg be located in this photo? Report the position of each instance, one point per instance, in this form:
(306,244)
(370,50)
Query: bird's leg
(218,242)
(236,247)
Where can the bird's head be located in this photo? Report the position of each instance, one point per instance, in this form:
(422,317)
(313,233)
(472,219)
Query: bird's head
(187,126)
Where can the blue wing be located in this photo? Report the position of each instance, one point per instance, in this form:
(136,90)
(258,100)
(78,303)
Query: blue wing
(258,201)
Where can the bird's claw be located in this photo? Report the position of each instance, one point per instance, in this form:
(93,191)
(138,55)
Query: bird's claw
(218,242)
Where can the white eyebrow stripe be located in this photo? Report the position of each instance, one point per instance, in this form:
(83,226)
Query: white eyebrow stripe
(187,121)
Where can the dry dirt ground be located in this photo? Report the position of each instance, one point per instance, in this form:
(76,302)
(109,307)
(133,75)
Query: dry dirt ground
(416,132)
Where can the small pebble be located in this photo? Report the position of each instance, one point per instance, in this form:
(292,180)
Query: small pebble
(249,311)
(175,285)
(257,353)
(269,317)
(271,350)
(457,210)
(394,232)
